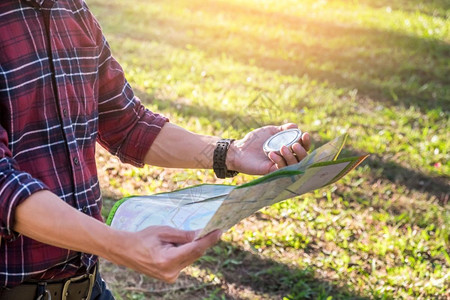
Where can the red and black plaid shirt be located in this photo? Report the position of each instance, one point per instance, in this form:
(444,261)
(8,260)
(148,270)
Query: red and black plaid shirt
(60,92)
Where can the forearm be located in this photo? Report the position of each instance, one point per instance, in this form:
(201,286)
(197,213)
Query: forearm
(160,252)
(46,218)
(176,147)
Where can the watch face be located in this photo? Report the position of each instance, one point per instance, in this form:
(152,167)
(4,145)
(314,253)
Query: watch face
(286,137)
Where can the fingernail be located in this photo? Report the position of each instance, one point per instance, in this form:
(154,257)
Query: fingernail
(218,235)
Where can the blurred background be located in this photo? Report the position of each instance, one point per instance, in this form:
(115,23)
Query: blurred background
(378,70)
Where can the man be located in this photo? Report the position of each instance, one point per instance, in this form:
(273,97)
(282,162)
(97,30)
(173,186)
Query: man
(61,91)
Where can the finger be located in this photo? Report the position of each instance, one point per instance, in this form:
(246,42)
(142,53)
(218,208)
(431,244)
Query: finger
(274,167)
(306,141)
(299,151)
(190,252)
(210,239)
(277,159)
(288,156)
(287,126)
(172,235)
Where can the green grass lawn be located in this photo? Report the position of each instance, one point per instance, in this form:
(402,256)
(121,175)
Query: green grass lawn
(379,70)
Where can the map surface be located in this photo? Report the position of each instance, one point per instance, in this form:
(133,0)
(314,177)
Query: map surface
(207,207)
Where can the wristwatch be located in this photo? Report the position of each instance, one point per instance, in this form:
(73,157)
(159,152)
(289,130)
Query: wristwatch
(220,158)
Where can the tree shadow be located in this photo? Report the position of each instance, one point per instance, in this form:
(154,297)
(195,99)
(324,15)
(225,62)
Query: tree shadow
(129,284)
(437,186)
(240,272)
(272,279)
(437,8)
(433,186)
(245,119)
(404,70)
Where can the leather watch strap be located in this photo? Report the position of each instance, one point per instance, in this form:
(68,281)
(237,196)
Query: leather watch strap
(220,157)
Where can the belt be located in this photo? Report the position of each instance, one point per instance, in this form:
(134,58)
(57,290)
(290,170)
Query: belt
(73,288)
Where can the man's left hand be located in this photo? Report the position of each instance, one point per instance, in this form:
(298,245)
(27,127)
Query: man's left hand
(247,155)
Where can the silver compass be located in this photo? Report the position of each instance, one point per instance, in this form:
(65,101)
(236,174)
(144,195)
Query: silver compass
(285,137)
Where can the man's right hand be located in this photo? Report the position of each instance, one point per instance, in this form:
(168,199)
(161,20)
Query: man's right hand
(157,251)
(160,251)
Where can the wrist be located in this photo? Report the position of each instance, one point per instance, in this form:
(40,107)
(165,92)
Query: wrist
(115,244)
(223,159)
(231,157)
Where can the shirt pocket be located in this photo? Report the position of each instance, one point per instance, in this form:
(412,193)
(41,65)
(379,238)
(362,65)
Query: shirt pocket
(76,72)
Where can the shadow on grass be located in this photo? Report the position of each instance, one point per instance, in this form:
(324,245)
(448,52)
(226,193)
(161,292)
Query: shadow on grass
(263,276)
(397,69)
(247,118)
(240,272)
(437,186)
(390,67)
(433,186)
(437,8)
(128,284)
(241,275)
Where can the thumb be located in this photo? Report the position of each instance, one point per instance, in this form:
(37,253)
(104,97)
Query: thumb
(190,252)
(172,235)
(287,126)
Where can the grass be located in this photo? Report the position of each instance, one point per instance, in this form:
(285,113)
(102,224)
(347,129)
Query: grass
(378,70)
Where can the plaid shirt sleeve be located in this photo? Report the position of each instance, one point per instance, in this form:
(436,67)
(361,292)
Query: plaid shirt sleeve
(15,187)
(61,92)
(126,128)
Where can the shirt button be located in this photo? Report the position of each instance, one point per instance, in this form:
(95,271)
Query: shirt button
(84,209)
(65,112)
(76,161)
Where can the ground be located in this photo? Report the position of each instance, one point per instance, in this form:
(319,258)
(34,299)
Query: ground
(378,70)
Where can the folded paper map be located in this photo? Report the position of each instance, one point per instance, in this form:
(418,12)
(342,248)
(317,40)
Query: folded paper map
(208,207)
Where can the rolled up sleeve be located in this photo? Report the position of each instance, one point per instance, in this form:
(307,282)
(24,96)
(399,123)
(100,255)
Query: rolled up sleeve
(126,128)
(15,187)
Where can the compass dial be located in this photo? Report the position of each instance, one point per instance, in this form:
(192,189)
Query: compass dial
(286,137)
